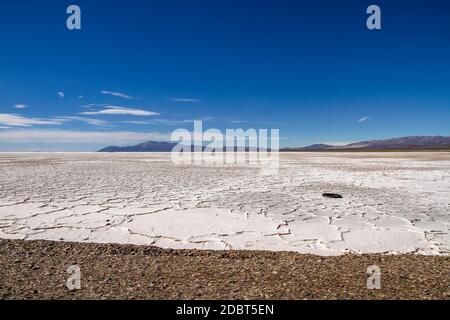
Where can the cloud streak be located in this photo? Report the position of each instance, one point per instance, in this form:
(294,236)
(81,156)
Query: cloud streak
(15,120)
(94,105)
(114,110)
(82,137)
(186,100)
(91,121)
(118,94)
(364,119)
(160,121)
(20,106)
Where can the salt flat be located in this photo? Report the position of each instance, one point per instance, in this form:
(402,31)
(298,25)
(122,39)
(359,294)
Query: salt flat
(392,202)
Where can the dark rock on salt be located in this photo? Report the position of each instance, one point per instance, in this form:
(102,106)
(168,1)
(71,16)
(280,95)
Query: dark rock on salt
(332,195)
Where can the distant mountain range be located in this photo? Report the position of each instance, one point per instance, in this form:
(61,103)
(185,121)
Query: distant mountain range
(407,143)
(404,143)
(149,146)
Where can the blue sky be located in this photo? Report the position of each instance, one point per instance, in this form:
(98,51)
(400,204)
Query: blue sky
(140,69)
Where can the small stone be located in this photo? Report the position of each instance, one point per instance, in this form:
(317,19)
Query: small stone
(332,195)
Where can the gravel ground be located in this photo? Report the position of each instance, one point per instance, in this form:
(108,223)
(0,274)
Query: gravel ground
(37,270)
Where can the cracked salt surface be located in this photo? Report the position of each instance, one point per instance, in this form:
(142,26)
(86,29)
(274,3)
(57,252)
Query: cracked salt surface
(392,202)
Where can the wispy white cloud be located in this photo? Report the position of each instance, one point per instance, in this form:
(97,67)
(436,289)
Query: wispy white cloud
(364,119)
(186,100)
(61,94)
(94,105)
(114,110)
(173,122)
(137,122)
(239,121)
(118,94)
(20,106)
(160,121)
(167,121)
(255,122)
(81,137)
(15,120)
(95,122)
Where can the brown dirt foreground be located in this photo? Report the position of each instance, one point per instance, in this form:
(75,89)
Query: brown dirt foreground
(38,270)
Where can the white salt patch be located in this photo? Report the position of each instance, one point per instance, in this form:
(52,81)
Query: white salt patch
(392,203)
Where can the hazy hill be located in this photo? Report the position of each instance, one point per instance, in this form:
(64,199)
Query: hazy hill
(149,146)
(416,142)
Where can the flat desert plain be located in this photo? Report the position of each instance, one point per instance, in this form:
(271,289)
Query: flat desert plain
(391,202)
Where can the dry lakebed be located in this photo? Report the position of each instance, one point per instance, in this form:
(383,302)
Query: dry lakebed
(201,219)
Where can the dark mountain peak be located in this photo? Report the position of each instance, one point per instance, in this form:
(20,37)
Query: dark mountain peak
(148,146)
